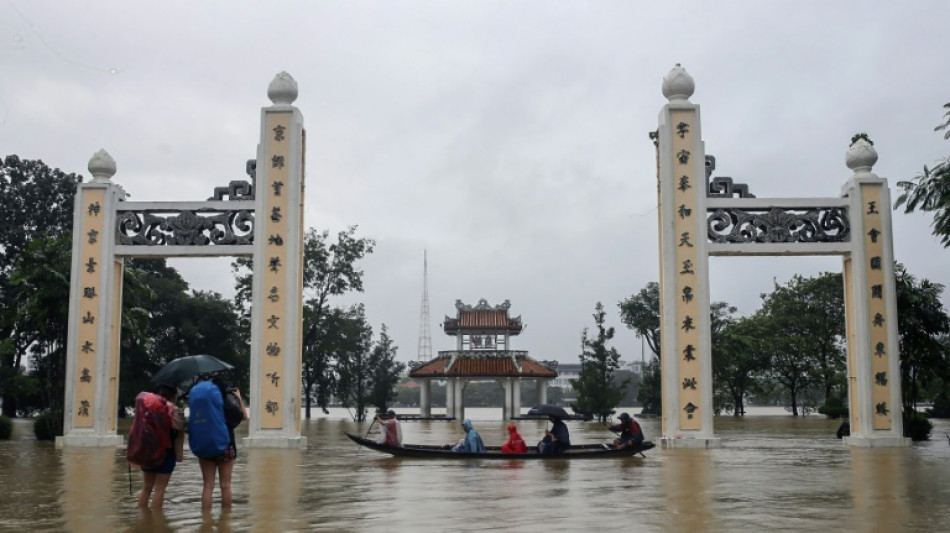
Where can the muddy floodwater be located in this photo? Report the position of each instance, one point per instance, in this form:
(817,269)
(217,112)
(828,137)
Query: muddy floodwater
(773,472)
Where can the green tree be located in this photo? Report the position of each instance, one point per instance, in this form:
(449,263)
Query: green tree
(923,326)
(641,313)
(386,370)
(805,330)
(330,269)
(37,203)
(737,361)
(930,191)
(39,284)
(354,373)
(596,392)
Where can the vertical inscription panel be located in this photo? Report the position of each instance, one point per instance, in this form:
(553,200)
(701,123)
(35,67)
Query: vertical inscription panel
(274,270)
(877,307)
(686,236)
(87,340)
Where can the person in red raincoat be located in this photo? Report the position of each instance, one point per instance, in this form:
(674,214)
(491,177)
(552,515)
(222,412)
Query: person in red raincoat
(515,443)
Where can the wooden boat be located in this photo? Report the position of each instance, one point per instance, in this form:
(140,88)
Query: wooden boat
(577,451)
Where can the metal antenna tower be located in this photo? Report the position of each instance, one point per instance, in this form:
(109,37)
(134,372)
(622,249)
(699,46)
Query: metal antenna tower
(425,335)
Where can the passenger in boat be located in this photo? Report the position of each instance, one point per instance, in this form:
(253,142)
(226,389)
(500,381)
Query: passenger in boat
(472,443)
(631,434)
(556,440)
(515,443)
(390,433)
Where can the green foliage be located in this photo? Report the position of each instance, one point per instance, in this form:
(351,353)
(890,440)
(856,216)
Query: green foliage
(385,369)
(597,394)
(922,326)
(856,136)
(352,369)
(48,425)
(738,360)
(930,191)
(917,426)
(37,206)
(6,427)
(330,269)
(803,324)
(941,408)
(834,407)
(641,313)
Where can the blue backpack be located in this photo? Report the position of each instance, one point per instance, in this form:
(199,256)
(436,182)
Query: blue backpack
(208,435)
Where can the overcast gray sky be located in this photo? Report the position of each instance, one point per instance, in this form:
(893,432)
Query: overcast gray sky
(507,138)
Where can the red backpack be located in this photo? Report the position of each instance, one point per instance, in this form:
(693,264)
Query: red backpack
(150,436)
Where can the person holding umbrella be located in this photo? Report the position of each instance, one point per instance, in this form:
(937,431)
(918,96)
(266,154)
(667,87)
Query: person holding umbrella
(557,439)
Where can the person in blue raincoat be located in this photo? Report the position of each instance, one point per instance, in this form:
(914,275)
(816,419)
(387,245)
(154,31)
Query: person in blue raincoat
(472,443)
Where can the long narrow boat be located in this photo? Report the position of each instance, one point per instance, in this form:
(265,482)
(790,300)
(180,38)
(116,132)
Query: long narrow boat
(577,451)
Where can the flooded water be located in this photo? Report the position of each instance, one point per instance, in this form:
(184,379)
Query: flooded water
(773,472)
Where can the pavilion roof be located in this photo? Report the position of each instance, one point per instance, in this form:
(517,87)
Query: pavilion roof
(482,317)
(487,364)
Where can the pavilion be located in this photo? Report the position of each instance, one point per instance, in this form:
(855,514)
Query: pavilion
(483,334)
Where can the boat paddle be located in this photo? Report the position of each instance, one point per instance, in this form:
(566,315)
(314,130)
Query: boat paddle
(360,447)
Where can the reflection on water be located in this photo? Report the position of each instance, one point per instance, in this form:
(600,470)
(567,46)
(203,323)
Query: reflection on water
(773,472)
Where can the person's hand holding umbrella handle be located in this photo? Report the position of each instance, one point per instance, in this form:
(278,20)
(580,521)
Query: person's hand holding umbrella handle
(237,393)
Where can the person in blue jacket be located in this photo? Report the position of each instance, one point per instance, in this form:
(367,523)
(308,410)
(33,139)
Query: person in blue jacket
(472,443)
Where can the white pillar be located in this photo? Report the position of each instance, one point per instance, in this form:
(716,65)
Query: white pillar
(507,409)
(516,397)
(276,316)
(425,397)
(459,398)
(684,276)
(874,379)
(542,391)
(450,398)
(95,311)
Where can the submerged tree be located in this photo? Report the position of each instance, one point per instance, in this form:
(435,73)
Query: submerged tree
(351,362)
(597,394)
(330,269)
(641,313)
(37,203)
(386,370)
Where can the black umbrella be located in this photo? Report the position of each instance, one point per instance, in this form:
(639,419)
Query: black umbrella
(184,370)
(546,409)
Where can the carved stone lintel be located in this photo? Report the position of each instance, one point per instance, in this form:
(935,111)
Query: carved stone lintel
(740,225)
(201,227)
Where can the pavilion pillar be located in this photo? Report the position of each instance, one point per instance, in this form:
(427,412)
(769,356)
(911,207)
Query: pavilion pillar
(459,398)
(425,397)
(515,397)
(506,386)
(542,391)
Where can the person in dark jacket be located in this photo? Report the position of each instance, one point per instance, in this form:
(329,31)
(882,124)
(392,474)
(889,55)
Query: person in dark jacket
(556,440)
(630,432)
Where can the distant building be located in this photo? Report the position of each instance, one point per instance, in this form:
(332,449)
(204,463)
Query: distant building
(483,352)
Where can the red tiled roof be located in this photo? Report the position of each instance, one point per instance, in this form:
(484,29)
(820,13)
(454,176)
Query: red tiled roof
(483,367)
(483,320)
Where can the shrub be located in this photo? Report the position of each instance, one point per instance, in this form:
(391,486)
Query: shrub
(941,407)
(48,425)
(6,427)
(917,426)
(834,407)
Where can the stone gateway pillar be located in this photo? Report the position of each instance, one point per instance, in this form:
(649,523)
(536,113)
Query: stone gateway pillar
(701,216)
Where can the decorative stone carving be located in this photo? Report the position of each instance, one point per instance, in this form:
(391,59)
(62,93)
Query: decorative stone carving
(678,85)
(102,167)
(760,225)
(861,156)
(239,190)
(723,186)
(200,227)
(283,89)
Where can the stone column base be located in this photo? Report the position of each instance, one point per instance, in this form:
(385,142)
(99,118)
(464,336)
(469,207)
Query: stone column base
(275,441)
(876,442)
(691,442)
(90,441)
